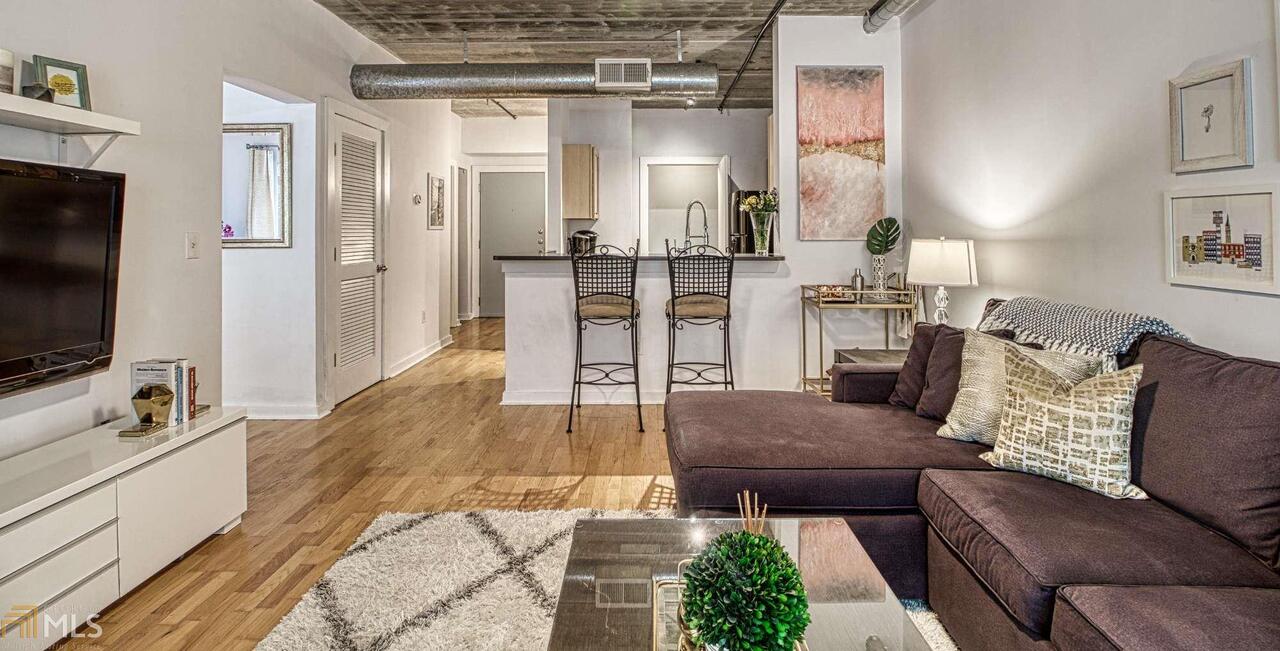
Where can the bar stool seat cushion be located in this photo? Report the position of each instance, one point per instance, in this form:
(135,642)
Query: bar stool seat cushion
(700,306)
(607,306)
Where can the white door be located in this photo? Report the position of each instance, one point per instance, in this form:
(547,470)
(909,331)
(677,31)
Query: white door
(513,220)
(359,179)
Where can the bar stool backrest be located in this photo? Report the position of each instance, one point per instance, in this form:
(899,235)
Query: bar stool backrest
(605,270)
(699,270)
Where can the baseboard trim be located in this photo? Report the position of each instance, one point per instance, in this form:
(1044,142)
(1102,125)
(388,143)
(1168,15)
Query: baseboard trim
(418,357)
(284,412)
(589,397)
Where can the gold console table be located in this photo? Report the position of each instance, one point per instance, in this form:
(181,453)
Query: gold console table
(821,298)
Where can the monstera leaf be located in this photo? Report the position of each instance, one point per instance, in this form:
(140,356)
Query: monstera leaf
(883,236)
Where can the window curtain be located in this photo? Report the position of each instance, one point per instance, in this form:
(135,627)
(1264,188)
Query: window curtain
(264,193)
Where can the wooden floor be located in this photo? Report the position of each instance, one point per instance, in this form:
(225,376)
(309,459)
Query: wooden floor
(433,438)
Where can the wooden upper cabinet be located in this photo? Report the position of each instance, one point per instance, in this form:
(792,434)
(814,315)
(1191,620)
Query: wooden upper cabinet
(580,182)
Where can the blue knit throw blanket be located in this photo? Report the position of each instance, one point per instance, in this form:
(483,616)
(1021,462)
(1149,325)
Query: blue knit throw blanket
(1072,328)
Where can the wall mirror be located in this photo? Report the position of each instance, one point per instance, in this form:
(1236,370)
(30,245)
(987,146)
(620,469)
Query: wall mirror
(257,186)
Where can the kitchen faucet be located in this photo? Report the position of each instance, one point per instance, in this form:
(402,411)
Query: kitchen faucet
(706,234)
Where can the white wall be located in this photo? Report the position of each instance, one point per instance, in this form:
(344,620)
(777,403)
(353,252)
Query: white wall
(504,136)
(1041,128)
(739,134)
(269,334)
(605,123)
(171,81)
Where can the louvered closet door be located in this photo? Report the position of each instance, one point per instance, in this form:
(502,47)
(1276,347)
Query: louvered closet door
(359,178)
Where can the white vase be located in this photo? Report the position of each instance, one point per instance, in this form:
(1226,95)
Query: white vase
(879,279)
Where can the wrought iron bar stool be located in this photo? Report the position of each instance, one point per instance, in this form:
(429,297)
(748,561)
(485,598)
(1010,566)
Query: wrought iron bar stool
(604,283)
(701,279)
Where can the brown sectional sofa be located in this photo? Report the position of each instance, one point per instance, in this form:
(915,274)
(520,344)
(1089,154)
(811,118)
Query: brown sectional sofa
(1014,561)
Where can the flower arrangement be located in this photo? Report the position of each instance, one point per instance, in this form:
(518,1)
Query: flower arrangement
(744,592)
(767,202)
(227,231)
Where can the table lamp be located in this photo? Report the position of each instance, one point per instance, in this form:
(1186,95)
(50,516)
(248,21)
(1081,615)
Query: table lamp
(942,263)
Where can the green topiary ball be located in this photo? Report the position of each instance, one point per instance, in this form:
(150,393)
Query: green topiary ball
(744,593)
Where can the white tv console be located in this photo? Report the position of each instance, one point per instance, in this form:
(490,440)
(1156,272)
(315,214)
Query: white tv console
(86,519)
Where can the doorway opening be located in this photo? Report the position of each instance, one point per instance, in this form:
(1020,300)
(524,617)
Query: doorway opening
(511,202)
(684,200)
(270,338)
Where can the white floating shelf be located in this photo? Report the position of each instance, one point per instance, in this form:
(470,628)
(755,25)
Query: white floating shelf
(27,113)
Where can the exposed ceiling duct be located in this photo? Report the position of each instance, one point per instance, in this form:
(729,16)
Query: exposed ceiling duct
(499,80)
(884,11)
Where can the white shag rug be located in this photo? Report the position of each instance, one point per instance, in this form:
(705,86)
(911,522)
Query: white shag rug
(485,580)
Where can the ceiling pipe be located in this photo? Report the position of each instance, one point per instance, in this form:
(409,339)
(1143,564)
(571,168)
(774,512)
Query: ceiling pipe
(502,80)
(764,29)
(883,12)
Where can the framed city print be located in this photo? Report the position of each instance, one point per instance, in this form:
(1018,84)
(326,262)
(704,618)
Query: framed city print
(69,81)
(1211,118)
(1223,238)
(435,203)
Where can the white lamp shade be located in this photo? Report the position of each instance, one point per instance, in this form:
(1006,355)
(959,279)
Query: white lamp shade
(942,263)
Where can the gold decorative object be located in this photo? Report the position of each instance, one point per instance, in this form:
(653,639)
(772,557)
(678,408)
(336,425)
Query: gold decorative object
(152,403)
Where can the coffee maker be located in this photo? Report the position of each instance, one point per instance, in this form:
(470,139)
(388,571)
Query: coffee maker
(582,242)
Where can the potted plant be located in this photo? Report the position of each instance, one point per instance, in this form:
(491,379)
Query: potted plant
(762,208)
(744,593)
(881,239)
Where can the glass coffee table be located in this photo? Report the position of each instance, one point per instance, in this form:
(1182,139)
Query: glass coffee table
(619,585)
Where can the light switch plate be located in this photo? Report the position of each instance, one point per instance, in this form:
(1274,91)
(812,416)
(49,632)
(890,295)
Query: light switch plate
(192,247)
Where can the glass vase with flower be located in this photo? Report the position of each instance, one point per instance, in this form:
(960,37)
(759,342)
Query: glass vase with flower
(762,208)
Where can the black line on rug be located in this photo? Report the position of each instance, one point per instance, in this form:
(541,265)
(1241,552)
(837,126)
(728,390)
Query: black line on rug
(521,571)
(443,606)
(339,626)
(398,529)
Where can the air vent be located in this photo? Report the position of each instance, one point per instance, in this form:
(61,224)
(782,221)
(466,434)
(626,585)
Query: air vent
(624,74)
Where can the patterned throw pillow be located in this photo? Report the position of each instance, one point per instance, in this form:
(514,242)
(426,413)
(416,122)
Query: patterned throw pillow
(1076,433)
(975,415)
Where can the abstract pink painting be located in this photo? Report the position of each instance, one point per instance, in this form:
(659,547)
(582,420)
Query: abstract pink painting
(840,144)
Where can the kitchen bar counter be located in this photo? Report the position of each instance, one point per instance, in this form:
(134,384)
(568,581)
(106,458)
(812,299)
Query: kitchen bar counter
(747,257)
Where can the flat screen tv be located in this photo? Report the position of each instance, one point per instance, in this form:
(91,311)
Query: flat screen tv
(59,265)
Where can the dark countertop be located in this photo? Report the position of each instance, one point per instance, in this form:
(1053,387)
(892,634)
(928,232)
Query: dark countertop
(746,257)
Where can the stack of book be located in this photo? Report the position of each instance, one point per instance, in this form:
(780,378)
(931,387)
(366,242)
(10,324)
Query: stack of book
(176,374)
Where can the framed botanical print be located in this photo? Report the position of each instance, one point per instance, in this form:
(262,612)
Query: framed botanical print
(68,81)
(1211,118)
(1223,238)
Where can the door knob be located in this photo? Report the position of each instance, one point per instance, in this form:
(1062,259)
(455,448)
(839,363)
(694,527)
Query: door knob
(539,240)
(381,268)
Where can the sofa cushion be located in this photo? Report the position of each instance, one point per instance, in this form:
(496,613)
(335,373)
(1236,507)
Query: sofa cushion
(942,374)
(1076,433)
(1146,618)
(801,452)
(975,414)
(1025,536)
(910,384)
(1207,439)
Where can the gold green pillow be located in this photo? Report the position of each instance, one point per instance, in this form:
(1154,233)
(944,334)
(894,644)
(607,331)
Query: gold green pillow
(975,415)
(1075,433)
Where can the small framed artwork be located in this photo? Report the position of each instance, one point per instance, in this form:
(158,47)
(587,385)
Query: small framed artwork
(68,81)
(1223,238)
(1211,115)
(435,203)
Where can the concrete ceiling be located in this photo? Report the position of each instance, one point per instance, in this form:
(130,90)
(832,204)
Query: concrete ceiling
(568,31)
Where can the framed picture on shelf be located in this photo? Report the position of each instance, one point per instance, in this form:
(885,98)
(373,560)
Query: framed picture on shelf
(1223,238)
(435,203)
(1211,118)
(69,81)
